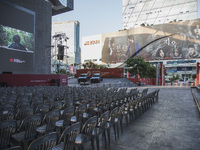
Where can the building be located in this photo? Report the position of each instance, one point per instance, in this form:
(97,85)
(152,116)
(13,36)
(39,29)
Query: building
(151,12)
(169,44)
(66,34)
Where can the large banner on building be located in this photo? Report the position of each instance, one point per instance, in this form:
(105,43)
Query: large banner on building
(178,40)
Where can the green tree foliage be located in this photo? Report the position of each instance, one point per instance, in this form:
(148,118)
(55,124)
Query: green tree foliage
(151,72)
(193,76)
(91,65)
(140,67)
(61,71)
(3,36)
(175,77)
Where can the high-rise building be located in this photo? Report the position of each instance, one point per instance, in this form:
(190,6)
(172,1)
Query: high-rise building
(151,12)
(65,45)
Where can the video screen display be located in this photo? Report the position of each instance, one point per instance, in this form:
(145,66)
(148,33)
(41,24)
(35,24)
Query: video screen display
(17,38)
(160,42)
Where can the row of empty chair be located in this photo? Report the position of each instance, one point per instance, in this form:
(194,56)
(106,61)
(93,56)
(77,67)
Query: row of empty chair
(69,115)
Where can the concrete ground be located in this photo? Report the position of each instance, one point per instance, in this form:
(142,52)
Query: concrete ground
(173,123)
(107,82)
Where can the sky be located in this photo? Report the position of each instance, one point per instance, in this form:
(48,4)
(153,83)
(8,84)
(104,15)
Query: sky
(95,16)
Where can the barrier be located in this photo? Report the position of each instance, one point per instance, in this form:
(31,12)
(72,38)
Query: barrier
(33,79)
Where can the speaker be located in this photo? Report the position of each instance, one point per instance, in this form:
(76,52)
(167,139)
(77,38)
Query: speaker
(57,81)
(3,84)
(60,52)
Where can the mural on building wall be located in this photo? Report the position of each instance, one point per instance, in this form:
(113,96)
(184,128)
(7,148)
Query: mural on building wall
(161,42)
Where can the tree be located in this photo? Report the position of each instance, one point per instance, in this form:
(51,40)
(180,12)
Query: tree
(151,73)
(61,71)
(91,65)
(193,76)
(140,67)
(174,77)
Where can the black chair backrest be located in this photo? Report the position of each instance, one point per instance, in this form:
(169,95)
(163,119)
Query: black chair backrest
(22,104)
(29,125)
(52,114)
(69,135)
(15,148)
(50,100)
(24,112)
(7,115)
(57,105)
(7,107)
(36,103)
(144,92)
(92,105)
(7,128)
(68,112)
(121,109)
(50,119)
(69,103)
(89,127)
(45,142)
(103,120)
(114,114)
(81,109)
(43,109)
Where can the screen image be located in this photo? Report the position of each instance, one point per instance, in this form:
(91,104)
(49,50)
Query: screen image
(17,38)
(160,42)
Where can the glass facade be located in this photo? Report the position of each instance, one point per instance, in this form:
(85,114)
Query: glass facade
(151,12)
(67,34)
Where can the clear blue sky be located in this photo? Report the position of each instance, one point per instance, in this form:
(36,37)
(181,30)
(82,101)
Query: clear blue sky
(95,16)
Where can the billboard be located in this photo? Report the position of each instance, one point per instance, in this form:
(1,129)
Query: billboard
(17,38)
(91,49)
(178,40)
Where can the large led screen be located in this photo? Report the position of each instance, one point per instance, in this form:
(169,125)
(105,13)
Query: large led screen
(161,42)
(17,40)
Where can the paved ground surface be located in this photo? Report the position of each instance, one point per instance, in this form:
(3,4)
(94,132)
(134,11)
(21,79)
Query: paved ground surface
(173,123)
(107,82)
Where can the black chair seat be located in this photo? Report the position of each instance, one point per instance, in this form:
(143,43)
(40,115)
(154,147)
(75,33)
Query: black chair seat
(116,120)
(15,148)
(19,136)
(73,119)
(79,139)
(85,115)
(58,147)
(59,123)
(41,129)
